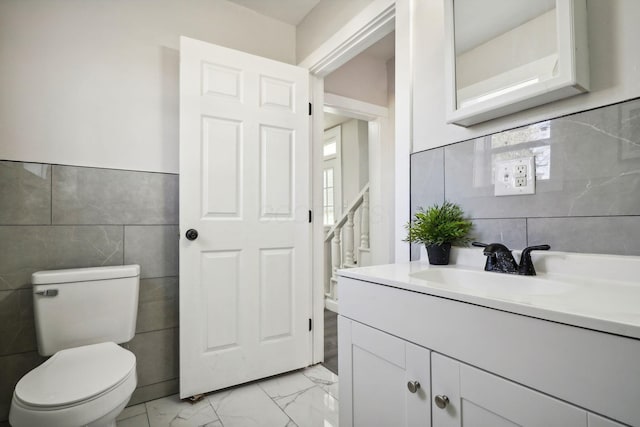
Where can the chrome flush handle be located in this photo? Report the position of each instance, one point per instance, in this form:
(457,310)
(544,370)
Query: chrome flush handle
(48,293)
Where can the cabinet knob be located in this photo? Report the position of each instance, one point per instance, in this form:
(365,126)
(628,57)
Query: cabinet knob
(413,386)
(441,401)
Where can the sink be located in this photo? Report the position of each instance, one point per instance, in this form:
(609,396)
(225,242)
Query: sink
(490,283)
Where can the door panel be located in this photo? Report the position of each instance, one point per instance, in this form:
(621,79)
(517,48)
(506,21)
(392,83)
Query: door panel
(244,162)
(221,153)
(220,278)
(277,169)
(277,293)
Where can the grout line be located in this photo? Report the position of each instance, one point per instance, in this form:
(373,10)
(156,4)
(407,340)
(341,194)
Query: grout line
(94,167)
(150,332)
(123,245)
(214,410)
(22,352)
(51,198)
(444,177)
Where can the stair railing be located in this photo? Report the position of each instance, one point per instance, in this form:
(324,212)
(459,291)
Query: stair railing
(344,256)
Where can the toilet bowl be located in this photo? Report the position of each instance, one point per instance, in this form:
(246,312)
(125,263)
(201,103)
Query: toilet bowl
(82,386)
(80,315)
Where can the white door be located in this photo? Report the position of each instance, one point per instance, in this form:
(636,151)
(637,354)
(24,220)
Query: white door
(245,281)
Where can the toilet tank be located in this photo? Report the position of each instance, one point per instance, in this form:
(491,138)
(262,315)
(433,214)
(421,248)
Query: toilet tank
(84,306)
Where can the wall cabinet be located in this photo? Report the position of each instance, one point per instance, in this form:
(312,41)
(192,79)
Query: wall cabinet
(475,366)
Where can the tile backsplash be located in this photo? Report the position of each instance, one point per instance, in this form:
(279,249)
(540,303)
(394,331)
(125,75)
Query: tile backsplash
(587,188)
(54,216)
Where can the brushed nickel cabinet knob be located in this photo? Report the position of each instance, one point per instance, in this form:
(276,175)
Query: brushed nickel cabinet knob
(413,386)
(441,401)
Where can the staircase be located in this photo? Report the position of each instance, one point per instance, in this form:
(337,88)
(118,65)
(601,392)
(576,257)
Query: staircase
(339,245)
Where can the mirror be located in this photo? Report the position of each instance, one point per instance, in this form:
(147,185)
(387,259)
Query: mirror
(504,56)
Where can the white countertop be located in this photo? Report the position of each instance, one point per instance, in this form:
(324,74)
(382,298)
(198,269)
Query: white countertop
(599,292)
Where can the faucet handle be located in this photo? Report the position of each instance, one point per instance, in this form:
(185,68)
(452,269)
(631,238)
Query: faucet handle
(537,248)
(499,258)
(526,264)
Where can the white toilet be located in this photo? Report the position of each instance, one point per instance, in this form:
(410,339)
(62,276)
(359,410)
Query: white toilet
(80,315)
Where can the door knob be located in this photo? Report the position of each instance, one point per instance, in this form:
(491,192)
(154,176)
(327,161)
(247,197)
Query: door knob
(413,386)
(191,234)
(441,401)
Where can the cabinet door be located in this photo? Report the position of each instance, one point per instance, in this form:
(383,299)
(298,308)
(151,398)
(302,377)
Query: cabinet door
(375,372)
(477,398)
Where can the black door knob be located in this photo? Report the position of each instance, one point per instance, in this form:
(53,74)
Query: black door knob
(191,234)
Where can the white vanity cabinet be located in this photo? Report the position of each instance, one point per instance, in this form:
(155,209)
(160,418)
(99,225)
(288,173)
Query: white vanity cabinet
(485,367)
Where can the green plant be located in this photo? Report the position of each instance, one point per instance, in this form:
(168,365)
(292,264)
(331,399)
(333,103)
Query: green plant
(438,225)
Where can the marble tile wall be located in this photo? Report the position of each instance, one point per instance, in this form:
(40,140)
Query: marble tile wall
(587,190)
(54,216)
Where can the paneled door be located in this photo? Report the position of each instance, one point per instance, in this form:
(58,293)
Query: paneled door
(245,279)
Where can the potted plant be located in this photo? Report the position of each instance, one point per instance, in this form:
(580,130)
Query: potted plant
(437,228)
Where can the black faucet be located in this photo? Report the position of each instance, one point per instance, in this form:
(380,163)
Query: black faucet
(500,259)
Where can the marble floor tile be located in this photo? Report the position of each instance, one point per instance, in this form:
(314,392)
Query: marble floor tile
(132,411)
(286,385)
(313,407)
(324,378)
(248,406)
(140,420)
(173,412)
(307,397)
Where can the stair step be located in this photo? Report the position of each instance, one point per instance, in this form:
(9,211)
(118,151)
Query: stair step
(331,304)
(350,266)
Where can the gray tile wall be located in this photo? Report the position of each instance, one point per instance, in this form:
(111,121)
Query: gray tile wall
(54,216)
(587,192)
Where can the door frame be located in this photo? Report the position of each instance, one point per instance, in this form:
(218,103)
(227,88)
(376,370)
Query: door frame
(374,22)
(378,127)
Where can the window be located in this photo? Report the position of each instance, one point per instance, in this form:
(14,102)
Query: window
(327,196)
(329,149)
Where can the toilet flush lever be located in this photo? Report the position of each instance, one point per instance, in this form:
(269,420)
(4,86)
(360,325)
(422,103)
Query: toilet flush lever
(48,293)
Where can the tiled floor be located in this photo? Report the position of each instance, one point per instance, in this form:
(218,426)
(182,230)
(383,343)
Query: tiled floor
(304,398)
(330,341)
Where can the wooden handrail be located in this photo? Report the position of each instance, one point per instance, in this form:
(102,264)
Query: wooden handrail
(343,219)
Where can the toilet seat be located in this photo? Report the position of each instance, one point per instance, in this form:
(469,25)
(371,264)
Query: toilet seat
(86,372)
(79,384)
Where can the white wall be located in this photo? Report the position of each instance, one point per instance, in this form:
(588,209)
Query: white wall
(323,21)
(614,63)
(355,159)
(363,78)
(388,172)
(95,83)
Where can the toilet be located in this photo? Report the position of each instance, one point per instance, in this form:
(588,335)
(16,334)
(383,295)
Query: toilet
(81,316)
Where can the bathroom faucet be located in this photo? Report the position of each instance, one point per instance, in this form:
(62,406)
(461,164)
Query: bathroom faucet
(500,259)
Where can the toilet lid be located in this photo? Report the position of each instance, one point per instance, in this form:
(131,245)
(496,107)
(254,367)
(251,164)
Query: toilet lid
(76,374)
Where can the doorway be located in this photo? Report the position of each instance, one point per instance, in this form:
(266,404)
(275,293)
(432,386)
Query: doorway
(357,161)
